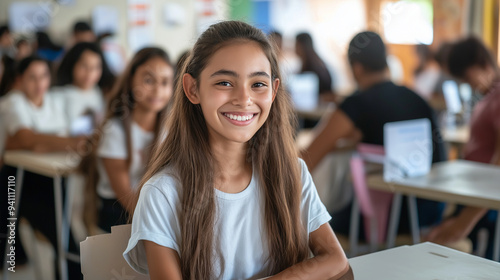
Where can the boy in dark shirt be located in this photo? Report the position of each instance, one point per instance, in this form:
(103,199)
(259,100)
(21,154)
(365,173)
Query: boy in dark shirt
(363,115)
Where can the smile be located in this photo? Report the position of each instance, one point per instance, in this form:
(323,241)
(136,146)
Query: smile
(240,118)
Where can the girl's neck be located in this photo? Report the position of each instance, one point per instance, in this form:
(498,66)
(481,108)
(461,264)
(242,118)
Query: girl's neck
(234,171)
(145,119)
(37,102)
(82,88)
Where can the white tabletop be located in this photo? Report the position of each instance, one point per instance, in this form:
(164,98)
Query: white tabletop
(460,181)
(423,261)
(50,164)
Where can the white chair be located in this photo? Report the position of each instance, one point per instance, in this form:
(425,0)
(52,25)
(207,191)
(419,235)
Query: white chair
(101,256)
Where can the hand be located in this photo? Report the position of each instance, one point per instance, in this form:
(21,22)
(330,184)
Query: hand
(450,231)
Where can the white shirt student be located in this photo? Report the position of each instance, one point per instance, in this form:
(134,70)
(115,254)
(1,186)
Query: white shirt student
(113,146)
(239,223)
(49,118)
(83,107)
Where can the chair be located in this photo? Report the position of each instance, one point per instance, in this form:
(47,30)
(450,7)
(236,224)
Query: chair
(101,256)
(374,205)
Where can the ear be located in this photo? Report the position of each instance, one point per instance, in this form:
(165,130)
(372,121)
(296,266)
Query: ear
(276,84)
(190,88)
(357,70)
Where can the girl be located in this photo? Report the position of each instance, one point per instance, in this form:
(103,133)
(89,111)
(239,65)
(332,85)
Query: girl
(124,142)
(35,120)
(225,196)
(84,76)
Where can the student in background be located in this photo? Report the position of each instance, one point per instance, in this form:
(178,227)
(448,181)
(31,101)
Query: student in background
(35,120)
(427,73)
(225,195)
(470,61)
(124,142)
(23,48)
(46,49)
(288,61)
(6,42)
(311,62)
(82,32)
(84,80)
(362,116)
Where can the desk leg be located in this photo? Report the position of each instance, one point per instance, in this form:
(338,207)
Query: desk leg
(354,228)
(19,189)
(63,269)
(394,222)
(412,212)
(68,208)
(496,244)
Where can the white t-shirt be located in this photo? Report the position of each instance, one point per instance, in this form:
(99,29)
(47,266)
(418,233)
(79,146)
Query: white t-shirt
(50,118)
(78,103)
(3,114)
(113,145)
(239,223)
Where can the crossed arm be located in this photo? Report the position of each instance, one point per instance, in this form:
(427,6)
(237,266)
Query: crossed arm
(329,261)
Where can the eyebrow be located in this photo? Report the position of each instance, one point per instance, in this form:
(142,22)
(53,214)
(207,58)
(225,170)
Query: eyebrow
(234,74)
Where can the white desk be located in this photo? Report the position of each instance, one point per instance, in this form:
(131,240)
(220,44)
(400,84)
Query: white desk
(423,261)
(53,165)
(463,182)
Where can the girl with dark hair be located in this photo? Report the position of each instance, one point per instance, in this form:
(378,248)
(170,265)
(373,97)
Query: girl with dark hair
(84,80)
(36,120)
(311,62)
(225,195)
(122,146)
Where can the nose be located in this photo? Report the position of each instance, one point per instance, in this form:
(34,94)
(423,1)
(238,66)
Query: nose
(242,97)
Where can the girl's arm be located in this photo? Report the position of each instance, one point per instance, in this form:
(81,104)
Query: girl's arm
(330,129)
(26,139)
(119,179)
(163,262)
(329,262)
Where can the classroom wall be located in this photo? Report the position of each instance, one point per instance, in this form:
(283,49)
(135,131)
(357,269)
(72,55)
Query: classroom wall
(175,39)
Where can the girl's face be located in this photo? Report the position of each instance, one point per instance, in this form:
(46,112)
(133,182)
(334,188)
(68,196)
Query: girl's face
(236,91)
(152,84)
(35,80)
(87,71)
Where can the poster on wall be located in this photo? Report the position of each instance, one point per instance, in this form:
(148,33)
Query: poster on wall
(105,19)
(140,24)
(26,17)
(206,14)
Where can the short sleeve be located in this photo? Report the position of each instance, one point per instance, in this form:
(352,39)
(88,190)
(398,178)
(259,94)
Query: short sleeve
(16,116)
(113,141)
(313,210)
(155,219)
(351,107)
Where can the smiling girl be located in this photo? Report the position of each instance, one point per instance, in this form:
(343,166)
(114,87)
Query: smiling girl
(225,195)
(124,142)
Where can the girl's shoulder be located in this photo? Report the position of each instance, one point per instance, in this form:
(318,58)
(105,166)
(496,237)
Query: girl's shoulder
(165,182)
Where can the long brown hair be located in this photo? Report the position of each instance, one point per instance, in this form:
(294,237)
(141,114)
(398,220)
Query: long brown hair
(271,150)
(120,105)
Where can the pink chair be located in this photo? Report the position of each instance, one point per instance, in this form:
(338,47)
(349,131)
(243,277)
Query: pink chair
(374,205)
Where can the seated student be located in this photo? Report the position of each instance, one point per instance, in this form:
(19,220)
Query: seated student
(84,79)
(35,120)
(470,61)
(125,140)
(225,195)
(363,114)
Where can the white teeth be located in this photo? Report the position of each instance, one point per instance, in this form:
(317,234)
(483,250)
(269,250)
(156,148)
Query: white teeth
(239,118)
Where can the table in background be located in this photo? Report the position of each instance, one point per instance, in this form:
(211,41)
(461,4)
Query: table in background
(423,261)
(462,182)
(55,165)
